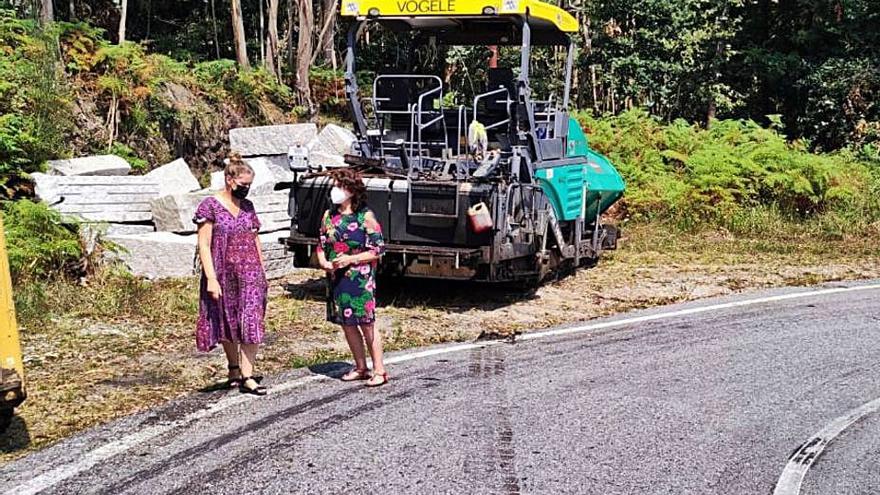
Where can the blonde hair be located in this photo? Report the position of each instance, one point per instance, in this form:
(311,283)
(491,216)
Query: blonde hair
(236,166)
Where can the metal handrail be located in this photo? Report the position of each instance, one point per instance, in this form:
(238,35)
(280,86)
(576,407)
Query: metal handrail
(497,124)
(412,133)
(508,101)
(462,112)
(398,76)
(413,109)
(549,111)
(439,90)
(429,124)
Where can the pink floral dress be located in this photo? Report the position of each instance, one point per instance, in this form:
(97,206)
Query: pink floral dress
(238,315)
(351,299)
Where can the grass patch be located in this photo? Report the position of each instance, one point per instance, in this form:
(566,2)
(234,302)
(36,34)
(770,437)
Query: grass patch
(320,356)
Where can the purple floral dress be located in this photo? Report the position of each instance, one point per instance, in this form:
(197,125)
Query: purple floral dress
(350,300)
(238,315)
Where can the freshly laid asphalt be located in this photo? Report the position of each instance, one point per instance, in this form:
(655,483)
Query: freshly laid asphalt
(703,403)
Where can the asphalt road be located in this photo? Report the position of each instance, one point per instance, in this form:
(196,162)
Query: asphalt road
(679,400)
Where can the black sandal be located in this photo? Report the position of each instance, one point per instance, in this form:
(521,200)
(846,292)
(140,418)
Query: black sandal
(233,382)
(258,390)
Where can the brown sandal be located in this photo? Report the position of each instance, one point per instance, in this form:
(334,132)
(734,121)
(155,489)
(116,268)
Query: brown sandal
(383,382)
(355,374)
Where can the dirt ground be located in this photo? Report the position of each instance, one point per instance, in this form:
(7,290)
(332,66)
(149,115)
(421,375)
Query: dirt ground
(84,371)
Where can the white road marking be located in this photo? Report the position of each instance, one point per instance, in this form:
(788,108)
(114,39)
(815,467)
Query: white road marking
(793,475)
(116,447)
(693,311)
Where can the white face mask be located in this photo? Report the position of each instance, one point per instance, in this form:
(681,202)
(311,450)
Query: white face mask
(338,195)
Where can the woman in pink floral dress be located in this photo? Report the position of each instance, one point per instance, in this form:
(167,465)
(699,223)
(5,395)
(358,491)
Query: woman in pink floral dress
(232,298)
(350,246)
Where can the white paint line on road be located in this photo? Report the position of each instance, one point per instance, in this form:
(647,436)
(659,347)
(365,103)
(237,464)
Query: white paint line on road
(799,463)
(692,311)
(116,447)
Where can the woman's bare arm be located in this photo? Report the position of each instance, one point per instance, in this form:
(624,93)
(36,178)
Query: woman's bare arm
(260,251)
(206,229)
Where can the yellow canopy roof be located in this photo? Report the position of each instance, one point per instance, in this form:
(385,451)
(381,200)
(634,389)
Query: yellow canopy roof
(435,14)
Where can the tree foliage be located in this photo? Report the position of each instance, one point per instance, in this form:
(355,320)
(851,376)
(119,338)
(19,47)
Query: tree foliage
(816,63)
(691,176)
(39,243)
(34,100)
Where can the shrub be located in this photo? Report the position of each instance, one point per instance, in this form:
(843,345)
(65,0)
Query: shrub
(35,109)
(694,176)
(40,243)
(327,86)
(137,164)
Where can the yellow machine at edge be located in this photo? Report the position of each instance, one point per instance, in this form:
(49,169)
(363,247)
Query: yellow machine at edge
(12,386)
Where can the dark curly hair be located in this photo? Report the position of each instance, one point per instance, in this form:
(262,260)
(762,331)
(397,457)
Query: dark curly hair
(352,181)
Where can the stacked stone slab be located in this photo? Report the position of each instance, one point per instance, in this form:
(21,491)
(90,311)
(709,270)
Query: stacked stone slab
(112,199)
(270,140)
(174,213)
(90,165)
(328,148)
(174,178)
(277,261)
(99,198)
(130,208)
(173,246)
(98,190)
(156,255)
(159,255)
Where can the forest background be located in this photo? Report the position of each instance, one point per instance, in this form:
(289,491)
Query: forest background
(750,116)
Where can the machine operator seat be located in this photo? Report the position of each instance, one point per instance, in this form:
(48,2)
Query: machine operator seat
(496,109)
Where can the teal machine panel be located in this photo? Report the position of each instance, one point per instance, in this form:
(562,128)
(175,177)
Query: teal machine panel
(583,188)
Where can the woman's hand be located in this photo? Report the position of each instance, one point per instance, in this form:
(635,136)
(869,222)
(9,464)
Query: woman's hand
(344,260)
(326,265)
(214,289)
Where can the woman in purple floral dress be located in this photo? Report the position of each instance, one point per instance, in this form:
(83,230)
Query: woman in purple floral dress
(349,249)
(232,298)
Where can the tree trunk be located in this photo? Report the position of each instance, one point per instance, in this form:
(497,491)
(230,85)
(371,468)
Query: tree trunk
(261,34)
(214,24)
(328,51)
(47,14)
(72,7)
(291,21)
(304,54)
(272,41)
(710,113)
(149,18)
(328,22)
(122,16)
(238,34)
(595,89)
(611,91)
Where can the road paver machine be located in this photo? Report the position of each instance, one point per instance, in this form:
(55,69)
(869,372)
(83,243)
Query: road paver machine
(504,188)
